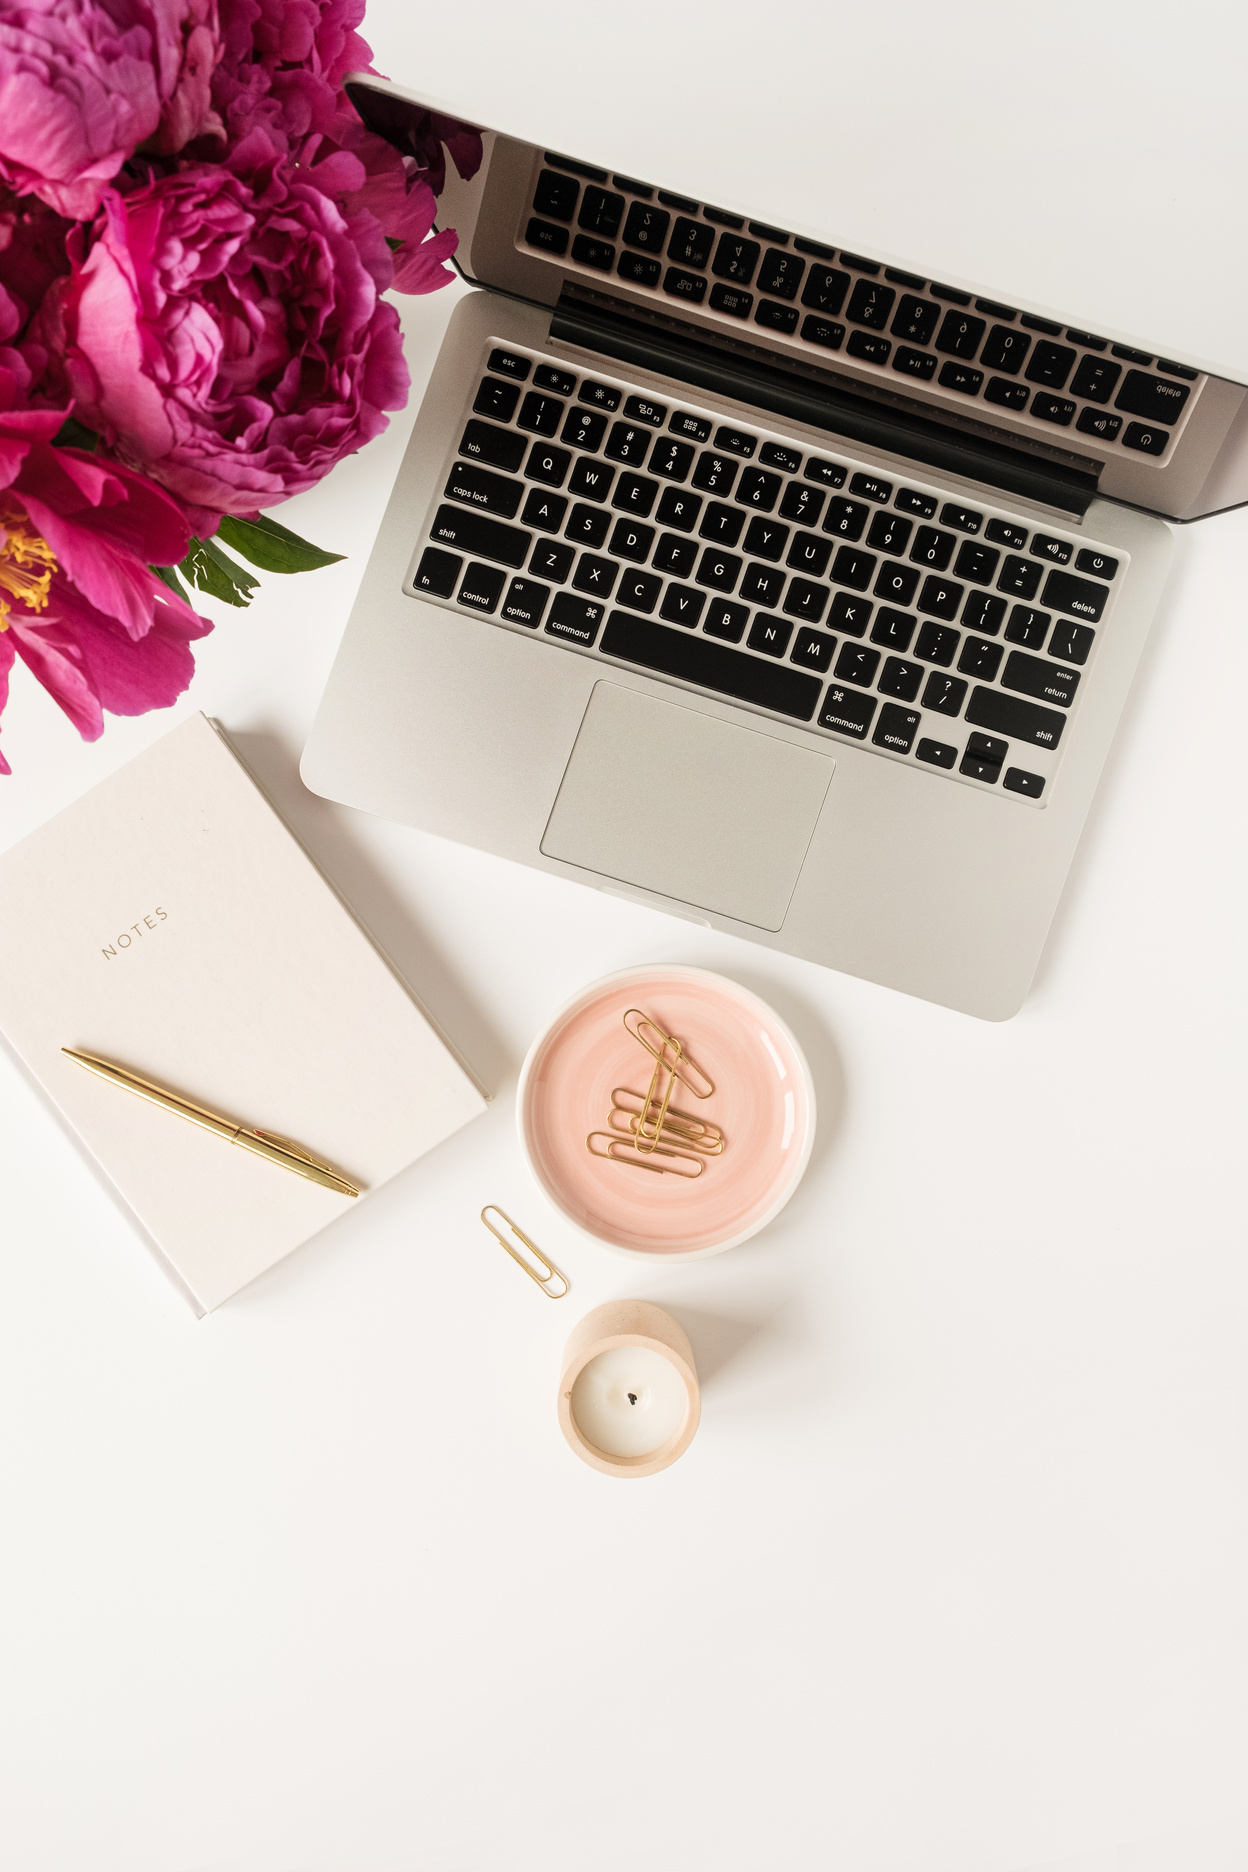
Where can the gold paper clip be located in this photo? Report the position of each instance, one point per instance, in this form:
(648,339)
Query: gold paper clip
(649,1128)
(543,1280)
(678,1127)
(644,1161)
(683,1067)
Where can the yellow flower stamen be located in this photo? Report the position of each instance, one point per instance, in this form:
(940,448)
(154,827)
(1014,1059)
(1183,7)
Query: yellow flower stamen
(27,562)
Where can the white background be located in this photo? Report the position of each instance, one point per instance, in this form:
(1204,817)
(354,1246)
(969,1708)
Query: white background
(953,1576)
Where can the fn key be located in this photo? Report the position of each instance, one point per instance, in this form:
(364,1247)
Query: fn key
(437,573)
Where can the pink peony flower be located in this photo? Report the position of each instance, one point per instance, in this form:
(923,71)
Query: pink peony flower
(32,254)
(84,82)
(78,601)
(282,65)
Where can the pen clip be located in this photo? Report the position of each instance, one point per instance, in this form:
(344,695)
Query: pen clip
(544,1281)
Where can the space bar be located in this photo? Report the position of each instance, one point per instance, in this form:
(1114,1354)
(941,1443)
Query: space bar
(711,666)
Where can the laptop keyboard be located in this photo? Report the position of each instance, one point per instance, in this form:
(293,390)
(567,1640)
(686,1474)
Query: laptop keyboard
(829,301)
(799,583)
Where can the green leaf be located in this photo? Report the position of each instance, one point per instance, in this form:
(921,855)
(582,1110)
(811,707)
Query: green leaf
(213,571)
(169,577)
(73,434)
(393,244)
(272,547)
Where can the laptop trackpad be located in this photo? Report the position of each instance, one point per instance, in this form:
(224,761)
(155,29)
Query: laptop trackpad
(699,809)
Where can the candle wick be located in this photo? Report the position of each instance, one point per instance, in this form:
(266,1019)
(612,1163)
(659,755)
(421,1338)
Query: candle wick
(632,1397)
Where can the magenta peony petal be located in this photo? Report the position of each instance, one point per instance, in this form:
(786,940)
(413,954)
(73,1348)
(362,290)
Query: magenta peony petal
(52,653)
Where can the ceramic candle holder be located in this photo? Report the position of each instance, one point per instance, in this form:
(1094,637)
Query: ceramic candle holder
(629,1401)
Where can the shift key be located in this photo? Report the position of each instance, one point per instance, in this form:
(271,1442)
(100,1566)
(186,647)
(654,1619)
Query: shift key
(473,533)
(1010,715)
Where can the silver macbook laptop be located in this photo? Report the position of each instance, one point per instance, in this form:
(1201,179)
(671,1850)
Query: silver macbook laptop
(759,581)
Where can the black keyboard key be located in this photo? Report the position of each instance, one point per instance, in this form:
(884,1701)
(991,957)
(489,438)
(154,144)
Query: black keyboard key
(806,600)
(1054,409)
(845,518)
(722,218)
(736,441)
(584,429)
(1147,441)
(964,380)
(547,377)
(983,757)
(980,658)
(525,602)
(473,533)
(830,474)
(959,335)
(1009,395)
(911,363)
(1006,348)
(599,254)
(646,227)
(574,619)
(713,666)
(776,317)
(671,459)
(940,598)
(937,644)
(897,583)
(857,664)
(936,753)
(1056,551)
(825,292)
(677,201)
(769,634)
(905,279)
(1095,564)
(551,238)
(482,588)
(555,195)
(676,555)
(594,575)
(510,364)
(1010,715)
(600,213)
(547,464)
(719,570)
(915,320)
(1095,379)
(813,650)
(802,503)
(759,490)
(732,300)
(1028,627)
(645,410)
(870,304)
(1088,338)
(726,621)
(850,614)
(910,501)
(1002,533)
(890,533)
(1020,578)
(1071,642)
(781,274)
(540,414)
(639,270)
(1078,596)
(871,487)
(1132,357)
(984,612)
(932,548)
(693,428)
(762,584)
(847,714)
(1177,370)
(893,629)
(502,448)
(714,474)
(552,559)
(630,540)
(487,493)
(1033,676)
(599,396)
(823,332)
(437,573)
(1018,780)
(735,259)
(678,509)
(963,519)
(690,245)
(944,695)
(853,568)
(775,455)
(766,539)
(721,524)
(634,494)
(682,605)
(496,398)
(544,511)
(896,727)
(809,554)
(868,347)
(1099,423)
(592,479)
(1050,365)
(813,247)
(681,285)
(588,526)
(976,562)
(627,443)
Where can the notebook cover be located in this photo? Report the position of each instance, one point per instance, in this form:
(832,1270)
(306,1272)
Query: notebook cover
(170,921)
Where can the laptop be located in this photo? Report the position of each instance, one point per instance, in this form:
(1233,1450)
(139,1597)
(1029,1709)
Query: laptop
(764,583)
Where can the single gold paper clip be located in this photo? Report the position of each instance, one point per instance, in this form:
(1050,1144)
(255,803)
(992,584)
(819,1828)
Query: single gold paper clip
(628,1150)
(544,1281)
(678,1127)
(684,1069)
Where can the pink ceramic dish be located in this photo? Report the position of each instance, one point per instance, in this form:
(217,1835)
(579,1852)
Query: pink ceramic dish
(764,1103)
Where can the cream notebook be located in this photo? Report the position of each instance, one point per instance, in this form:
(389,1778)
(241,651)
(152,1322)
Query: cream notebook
(169,921)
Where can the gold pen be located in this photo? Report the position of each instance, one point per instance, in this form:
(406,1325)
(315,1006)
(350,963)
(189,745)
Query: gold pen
(265,1144)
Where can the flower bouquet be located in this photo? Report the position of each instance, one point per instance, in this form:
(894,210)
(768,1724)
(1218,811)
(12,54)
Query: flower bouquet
(195,235)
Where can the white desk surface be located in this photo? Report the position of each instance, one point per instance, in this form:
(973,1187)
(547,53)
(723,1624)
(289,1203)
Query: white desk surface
(953,1576)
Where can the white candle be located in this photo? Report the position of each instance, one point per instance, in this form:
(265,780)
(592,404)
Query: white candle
(629,1401)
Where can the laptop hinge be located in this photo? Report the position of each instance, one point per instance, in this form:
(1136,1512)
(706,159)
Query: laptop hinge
(891,425)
